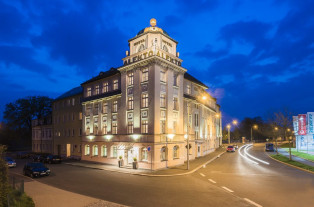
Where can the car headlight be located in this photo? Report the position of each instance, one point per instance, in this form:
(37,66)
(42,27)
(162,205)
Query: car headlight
(48,171)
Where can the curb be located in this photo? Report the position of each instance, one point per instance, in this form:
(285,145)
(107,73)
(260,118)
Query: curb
(150,175)
(291,165)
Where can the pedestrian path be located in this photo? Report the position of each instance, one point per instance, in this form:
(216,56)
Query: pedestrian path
(295,158)
(173,171)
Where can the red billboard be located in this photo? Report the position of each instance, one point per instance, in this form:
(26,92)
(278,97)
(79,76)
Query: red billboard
(302,124)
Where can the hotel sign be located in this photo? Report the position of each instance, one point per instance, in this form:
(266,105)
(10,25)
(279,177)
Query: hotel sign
(147,54)
(302,124)
(310,124)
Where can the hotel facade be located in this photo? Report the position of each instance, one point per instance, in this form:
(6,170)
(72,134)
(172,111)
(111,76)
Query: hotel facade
(149,108)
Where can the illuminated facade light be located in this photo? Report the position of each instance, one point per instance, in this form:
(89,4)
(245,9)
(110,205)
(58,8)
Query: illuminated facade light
(135,136)
(108,137)
(185,136)
(170,136)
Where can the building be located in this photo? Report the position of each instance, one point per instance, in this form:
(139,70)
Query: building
(303,126)
(42,140)
(67,123)
(142,109)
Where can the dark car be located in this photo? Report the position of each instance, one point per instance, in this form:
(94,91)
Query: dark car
(37,158)
(36,169)
(269,147)
(10,162)
(52,159)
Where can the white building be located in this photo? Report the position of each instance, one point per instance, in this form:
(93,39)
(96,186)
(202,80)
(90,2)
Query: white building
(140,110)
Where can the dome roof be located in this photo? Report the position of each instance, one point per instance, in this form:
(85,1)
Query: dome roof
(152,28)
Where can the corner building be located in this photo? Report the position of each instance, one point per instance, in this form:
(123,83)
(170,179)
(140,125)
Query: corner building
(142,109)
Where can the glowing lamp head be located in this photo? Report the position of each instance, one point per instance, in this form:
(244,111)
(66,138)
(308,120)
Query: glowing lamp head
(228,126)
(170,136)
(135,136)
(235,122)
(185,136)
(108,137)
(204,97)
(90,137)
(276,128)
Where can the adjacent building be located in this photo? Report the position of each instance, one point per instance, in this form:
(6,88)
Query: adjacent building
(148,108)
(42,140)
(67,124)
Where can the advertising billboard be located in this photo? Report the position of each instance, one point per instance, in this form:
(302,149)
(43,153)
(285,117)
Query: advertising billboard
(310,124)
(302,124)
(295,125)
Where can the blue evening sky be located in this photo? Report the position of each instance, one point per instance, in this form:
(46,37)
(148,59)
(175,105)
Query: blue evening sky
(255,56)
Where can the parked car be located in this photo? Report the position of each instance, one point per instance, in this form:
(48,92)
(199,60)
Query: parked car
(37,158)
(10,162)
(230,149)
(269,147)
(51,159)
(236,146)
(36,169)
(23,155)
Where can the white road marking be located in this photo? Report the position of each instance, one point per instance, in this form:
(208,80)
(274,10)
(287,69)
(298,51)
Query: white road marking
(227,189)
(255,158)
(252,202)
(246,157)
(211,180)
(202,174)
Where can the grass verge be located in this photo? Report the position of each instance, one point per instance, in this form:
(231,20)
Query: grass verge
(292,162)
(19,199)
(300,154)
(286,145)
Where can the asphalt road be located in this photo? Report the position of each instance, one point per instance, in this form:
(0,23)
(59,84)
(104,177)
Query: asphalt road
(251,184)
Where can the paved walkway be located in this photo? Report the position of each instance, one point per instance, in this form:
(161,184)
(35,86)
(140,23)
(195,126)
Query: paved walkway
(173,171)
(295,158)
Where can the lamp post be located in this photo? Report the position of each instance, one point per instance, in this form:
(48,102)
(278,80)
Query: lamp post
(228,127)
(290,157)
(255,127)
(276,129)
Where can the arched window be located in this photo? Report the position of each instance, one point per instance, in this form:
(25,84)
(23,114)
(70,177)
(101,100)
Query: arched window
(144,154)
(163,154)
(175,152)
(104,151)
(141,48)
(87,150)
(95,150)
(165,48)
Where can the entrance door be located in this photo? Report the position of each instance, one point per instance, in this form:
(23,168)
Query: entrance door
(130,156)
(68,150)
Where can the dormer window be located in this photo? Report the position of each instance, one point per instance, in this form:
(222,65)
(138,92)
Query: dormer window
(115,85)
(97,90)
(89,92)
(141,48)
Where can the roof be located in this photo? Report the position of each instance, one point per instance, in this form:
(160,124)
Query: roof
(102,75)
(158,30)
(191,78)
(102,95)
(72,92)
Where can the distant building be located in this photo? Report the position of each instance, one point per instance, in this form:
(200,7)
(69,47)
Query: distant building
(67,123)
(303,128)
(142,109)
(42,140)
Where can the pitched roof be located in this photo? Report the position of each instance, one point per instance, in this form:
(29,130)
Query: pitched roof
(72,92)
(102,75)
(191,78)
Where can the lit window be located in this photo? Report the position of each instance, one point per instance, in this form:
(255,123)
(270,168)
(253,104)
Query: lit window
(115,106)
(80,116)
(130,78)
(105,87)
(95,129)
(144,100)
(196,120)
(162,76)
(163,154)
(104,151)
(130,127)
(95,150)
(87,150)
(188,89)
(144,154)
(114,128)
(175,103)
(104,129)
(163,100)
(73,101)
(88,109)
(175,79)
(115,85)
(145,75)
(96,109)
(176,152)
(105,108)
(130,103)
(162,126)
(87,121)
(145,127)
(114,151)
(97,90)
(89,91)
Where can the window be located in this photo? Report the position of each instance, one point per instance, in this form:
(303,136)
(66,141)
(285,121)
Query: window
(175,80)
(162,126)
(114,128)
(165,48)
(130,103)
(97,90)
(145,127)
(175,103)
(87,150)
(105,87)
(115,106)
(104,151)
(141,48)
(87,121)
(145,75)
(89,91)
(196,120)
(130,127)
(144,154)
(105,108)
(114,151)
(88,130)
(174,129)
(96,109)
(80,132)
(175,152)
(196,134)
(188,89)
(163,100)
(73,101)
(163,154)
(130,78)
(104,129)
(144,100)
(88,110)
(115,85)
(162,76)
(73,132)
(95,150)
(80,116)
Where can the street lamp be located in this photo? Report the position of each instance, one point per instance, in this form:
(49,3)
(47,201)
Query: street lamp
(290,157)
(276,129)
(255,127)
(228,127)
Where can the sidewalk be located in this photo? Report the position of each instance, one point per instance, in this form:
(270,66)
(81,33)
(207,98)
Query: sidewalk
(173,171)
(295,158)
